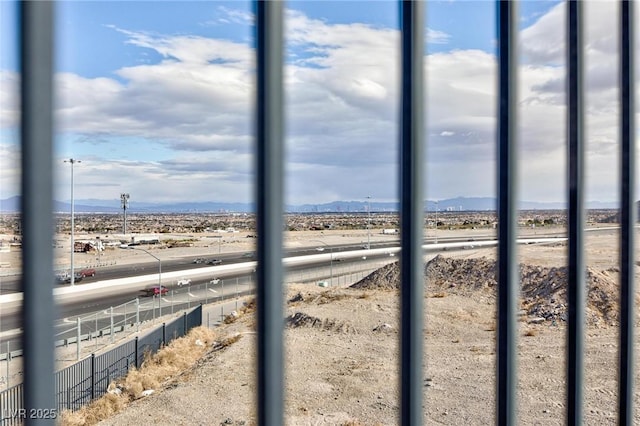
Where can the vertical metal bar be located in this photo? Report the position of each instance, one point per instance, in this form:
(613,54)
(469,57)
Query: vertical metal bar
(576,284)
(508,277)
(111,325)
(78,330)
(8,361)
(36,54)
(411,216)
(269,200)
(628,212)
(93,376)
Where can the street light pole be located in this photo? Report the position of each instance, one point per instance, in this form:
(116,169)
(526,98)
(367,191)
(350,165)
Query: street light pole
(73,248)
(159,273)
(330,261)
(369,222)
(436,231)
(124,201)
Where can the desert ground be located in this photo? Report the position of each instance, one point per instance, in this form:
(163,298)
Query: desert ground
(342,349)
(342,344)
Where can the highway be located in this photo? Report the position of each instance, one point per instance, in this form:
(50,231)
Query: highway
(96,311)
(117,285)
(12,284)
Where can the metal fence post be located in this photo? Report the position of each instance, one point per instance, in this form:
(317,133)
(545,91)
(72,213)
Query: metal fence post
(184,322)
(8,359)
(576,291)
(97,331)
(508,274)
(164,334)
(36,43)
(93,376)
(136,353)
(411,212)
(78,334)
(137,315)
(112,324)
(628,213)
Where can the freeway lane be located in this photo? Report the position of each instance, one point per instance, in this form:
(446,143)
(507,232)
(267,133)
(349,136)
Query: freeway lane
(74,301)
(12,284)
(85,302)
(96,312)
(102,295)
(147,265)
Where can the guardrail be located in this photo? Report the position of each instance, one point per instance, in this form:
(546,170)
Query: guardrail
(139,282)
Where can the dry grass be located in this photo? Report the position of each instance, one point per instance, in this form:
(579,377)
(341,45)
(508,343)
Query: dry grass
(230,319)
(531,332)
(227,341)
(249,307)
(155,372)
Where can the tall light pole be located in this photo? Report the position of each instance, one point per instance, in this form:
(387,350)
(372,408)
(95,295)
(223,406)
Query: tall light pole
(124,200)
(369,222)
(436,230)
(73,248)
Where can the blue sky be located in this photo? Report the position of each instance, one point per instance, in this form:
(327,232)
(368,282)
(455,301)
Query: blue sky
(155,99)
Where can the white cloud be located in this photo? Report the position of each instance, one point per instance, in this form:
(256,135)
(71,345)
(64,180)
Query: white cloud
(234,16)
(342,115)
(543,42)
(9,104)
(437,37)
(9,170)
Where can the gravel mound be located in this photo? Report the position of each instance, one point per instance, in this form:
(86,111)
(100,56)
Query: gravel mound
(385,278)
(300,319)
(543,289)
(462,274)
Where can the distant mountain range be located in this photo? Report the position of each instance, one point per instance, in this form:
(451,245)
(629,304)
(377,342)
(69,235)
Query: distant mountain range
(12,205)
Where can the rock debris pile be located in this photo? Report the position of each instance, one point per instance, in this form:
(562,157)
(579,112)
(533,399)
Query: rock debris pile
(543,289)
(300,319)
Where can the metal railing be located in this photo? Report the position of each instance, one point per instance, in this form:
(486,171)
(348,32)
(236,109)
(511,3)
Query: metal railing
(88,379)
(36,87)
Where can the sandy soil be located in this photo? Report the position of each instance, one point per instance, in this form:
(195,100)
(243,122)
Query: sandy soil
(342,352)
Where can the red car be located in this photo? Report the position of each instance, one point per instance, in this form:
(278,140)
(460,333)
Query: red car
(156,290)
(88,272)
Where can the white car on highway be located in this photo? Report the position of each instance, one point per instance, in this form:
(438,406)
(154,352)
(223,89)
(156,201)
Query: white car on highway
(183,281)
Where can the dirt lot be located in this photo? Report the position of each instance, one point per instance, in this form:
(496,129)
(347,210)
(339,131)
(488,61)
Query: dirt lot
(342,350)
